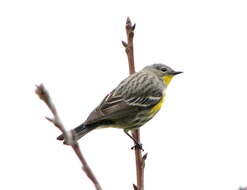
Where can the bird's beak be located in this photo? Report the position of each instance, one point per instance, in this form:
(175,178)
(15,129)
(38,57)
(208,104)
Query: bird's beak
(176,72)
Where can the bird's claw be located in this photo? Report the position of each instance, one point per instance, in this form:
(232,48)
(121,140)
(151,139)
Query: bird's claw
(137,146)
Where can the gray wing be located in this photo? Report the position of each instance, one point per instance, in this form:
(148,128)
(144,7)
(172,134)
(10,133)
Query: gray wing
(118,104)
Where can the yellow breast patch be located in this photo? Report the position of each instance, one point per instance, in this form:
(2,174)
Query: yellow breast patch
(157,107)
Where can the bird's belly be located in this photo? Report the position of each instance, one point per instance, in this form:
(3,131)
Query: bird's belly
(145,116)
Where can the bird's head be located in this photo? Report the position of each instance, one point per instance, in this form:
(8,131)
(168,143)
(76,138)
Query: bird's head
(164,72)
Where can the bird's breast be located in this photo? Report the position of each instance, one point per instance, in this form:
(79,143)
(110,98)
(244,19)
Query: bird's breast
(157,107)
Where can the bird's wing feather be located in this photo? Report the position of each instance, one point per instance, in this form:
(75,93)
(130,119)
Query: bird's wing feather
(115,106)
(137,92)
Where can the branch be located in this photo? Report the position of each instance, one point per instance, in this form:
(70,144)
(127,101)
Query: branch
(140,160)
(44,96)
(241,188)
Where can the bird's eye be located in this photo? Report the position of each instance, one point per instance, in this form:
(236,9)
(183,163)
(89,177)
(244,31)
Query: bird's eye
(163,69)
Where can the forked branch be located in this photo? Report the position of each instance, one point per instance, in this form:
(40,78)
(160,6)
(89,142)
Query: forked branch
(45,97)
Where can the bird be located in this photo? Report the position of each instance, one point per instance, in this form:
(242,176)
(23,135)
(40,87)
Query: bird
(135,101)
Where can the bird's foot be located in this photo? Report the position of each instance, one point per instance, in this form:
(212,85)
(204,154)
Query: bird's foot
(137,146)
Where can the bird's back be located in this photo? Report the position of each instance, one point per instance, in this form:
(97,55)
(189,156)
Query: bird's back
(143,83)
(139,91)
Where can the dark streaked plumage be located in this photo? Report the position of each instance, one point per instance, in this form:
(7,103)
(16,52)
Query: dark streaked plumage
(129,105)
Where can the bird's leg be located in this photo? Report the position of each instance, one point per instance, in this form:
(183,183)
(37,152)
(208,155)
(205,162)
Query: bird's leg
(137,145)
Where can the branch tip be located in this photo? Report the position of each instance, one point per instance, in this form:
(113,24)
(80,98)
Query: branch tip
(128,21)
(44,96)
(40,91)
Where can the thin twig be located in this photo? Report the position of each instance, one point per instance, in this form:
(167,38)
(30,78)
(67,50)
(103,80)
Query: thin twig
(140,160)
(44,96)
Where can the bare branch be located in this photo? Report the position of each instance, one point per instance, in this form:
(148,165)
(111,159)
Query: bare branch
(129,49)
(44,96)
(243,188)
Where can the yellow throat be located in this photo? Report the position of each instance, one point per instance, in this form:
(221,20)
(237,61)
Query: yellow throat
(167,79)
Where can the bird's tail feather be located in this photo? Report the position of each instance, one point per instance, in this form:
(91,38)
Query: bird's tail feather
(78,132)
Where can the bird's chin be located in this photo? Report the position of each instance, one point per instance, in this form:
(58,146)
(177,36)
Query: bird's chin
(167,79)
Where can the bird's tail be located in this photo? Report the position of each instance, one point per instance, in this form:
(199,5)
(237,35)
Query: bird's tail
(78,132)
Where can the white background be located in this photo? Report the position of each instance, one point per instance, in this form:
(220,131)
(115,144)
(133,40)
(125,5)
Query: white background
(197,141)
